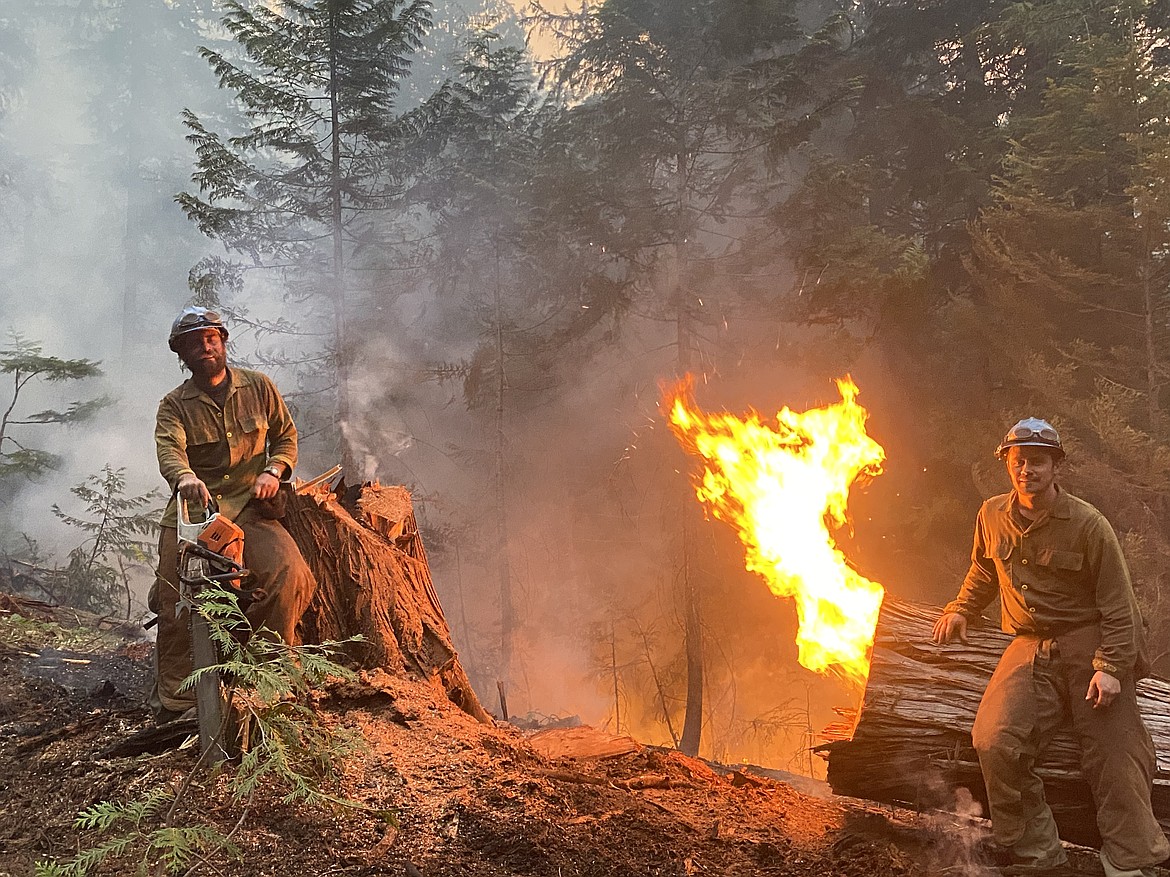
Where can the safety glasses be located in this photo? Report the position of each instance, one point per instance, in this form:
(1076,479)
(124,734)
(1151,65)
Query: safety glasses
(1022,433)
(203,319)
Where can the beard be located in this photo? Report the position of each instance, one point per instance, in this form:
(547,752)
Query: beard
(205,367)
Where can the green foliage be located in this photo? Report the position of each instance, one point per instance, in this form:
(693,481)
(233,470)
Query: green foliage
(497,241)
(1072,263)
(25,361)
(318,80)
(134,830)
(97,575)
(285,749)
(314,185)
(282,740)
(687,108)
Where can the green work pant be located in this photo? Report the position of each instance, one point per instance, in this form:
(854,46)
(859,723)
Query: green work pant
(276,566)
(1039,687)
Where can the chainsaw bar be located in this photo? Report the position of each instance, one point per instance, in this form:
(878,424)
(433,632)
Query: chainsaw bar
(320,479)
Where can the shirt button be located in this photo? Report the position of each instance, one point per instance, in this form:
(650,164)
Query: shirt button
(219,496)
(226,477)
(229,435)
(1031,608)
(1023,587)
(1024,561)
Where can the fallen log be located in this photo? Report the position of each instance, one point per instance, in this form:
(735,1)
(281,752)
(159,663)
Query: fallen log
(374,581)
(911,738)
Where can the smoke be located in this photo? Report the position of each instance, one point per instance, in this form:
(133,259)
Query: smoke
(70,282)
(962,837)
(952,840)
(94,264)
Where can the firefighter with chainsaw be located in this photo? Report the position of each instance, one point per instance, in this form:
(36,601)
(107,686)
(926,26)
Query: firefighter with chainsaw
(225,439)
(1066,595)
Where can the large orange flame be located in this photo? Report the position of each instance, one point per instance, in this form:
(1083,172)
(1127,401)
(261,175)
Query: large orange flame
(782,487)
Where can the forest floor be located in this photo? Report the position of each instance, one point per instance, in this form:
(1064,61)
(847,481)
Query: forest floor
(445,795)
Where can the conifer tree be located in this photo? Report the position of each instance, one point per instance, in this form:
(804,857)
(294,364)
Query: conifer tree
(516,286)
(880,229)
(685,109)
(119,530)
(477,190)
(140,56)
(1072,261)
(325,152)
(26,363)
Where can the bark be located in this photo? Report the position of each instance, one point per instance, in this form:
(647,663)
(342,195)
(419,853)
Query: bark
(692,730)
(373,579)
(910,742)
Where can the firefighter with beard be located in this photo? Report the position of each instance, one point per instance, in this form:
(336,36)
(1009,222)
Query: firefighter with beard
(223,434)
(1065,594)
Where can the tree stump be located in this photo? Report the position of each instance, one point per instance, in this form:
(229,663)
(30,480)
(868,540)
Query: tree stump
(373,579)
(910,742)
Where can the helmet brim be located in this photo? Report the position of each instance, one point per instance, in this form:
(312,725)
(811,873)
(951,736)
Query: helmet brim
(173,341)
(1056,451)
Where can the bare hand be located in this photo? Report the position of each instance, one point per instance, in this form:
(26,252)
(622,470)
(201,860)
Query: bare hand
(1103,689)
(266,486)
(193,490)
(950,625)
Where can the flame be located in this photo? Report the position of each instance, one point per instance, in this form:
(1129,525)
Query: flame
(781,487)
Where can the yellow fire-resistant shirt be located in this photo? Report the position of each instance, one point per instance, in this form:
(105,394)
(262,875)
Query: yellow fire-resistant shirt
(1061,571)
(226,447)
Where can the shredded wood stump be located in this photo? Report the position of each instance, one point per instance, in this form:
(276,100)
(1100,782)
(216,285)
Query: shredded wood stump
(373,579)
(911,741)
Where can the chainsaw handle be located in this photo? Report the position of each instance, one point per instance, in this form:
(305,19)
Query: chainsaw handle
(189,531)
(212,508)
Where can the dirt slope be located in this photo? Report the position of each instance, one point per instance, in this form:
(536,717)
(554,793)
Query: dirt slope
(463,798)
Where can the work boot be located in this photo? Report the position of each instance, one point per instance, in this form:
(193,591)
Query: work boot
(164,716)
(1112,870)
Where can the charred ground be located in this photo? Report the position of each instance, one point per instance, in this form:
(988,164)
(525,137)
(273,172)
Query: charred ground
(446,795)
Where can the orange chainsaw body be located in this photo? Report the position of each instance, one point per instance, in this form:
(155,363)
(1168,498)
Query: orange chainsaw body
(216,542)
(225,538)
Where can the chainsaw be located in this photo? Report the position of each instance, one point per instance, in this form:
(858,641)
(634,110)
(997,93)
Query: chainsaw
(211,555)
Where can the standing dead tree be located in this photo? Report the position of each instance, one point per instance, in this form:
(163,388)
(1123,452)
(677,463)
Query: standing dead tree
(374,580)
(910,742)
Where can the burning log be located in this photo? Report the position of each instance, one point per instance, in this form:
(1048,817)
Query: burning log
(911,740)
(373,580)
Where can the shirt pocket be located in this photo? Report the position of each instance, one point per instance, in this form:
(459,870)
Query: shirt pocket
(204,448)
(250,423)
(253,434)
(1053,558)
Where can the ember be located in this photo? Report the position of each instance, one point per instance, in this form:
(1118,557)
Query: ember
(782,488)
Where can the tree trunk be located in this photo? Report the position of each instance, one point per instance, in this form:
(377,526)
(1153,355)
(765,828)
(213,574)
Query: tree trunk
(341,339)
(373,579)
(692,730)
(910,743)
(503,565)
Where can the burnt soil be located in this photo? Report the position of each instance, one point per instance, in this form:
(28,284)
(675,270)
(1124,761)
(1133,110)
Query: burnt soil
(445,794)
